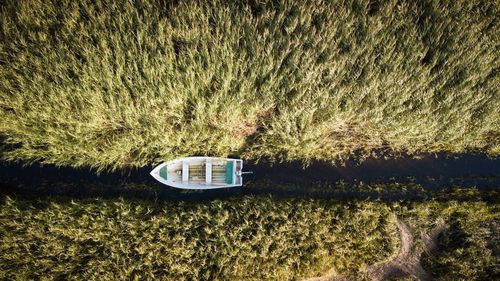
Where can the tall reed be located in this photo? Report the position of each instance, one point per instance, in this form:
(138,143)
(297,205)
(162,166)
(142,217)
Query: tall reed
(110,84)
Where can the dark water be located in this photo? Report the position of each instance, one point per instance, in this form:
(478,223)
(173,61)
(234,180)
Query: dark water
(435,174)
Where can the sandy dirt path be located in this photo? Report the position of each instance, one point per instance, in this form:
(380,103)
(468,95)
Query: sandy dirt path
(406,263)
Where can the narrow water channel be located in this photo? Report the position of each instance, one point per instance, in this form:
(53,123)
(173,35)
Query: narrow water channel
(432,173)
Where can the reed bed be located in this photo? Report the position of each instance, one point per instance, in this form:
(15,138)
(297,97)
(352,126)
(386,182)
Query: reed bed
(250,238)
(110,84)
(468,249)
(245,238)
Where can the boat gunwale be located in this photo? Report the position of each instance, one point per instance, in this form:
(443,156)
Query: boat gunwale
(155,174)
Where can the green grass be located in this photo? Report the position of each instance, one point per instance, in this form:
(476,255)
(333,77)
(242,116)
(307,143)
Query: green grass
(128,83)
(249,238)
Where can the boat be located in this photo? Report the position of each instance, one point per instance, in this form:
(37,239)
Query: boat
(200,172)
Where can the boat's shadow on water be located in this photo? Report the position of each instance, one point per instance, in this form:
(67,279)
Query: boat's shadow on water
(405,178)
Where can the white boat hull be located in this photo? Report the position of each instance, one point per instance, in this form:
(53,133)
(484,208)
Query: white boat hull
(200,173)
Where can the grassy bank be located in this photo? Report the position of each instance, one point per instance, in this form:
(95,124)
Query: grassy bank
(240,239)
(122,83)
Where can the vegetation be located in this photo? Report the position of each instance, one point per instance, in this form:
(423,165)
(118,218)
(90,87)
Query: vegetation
(469,250)
(110,83)
(244,238)
(247,238)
